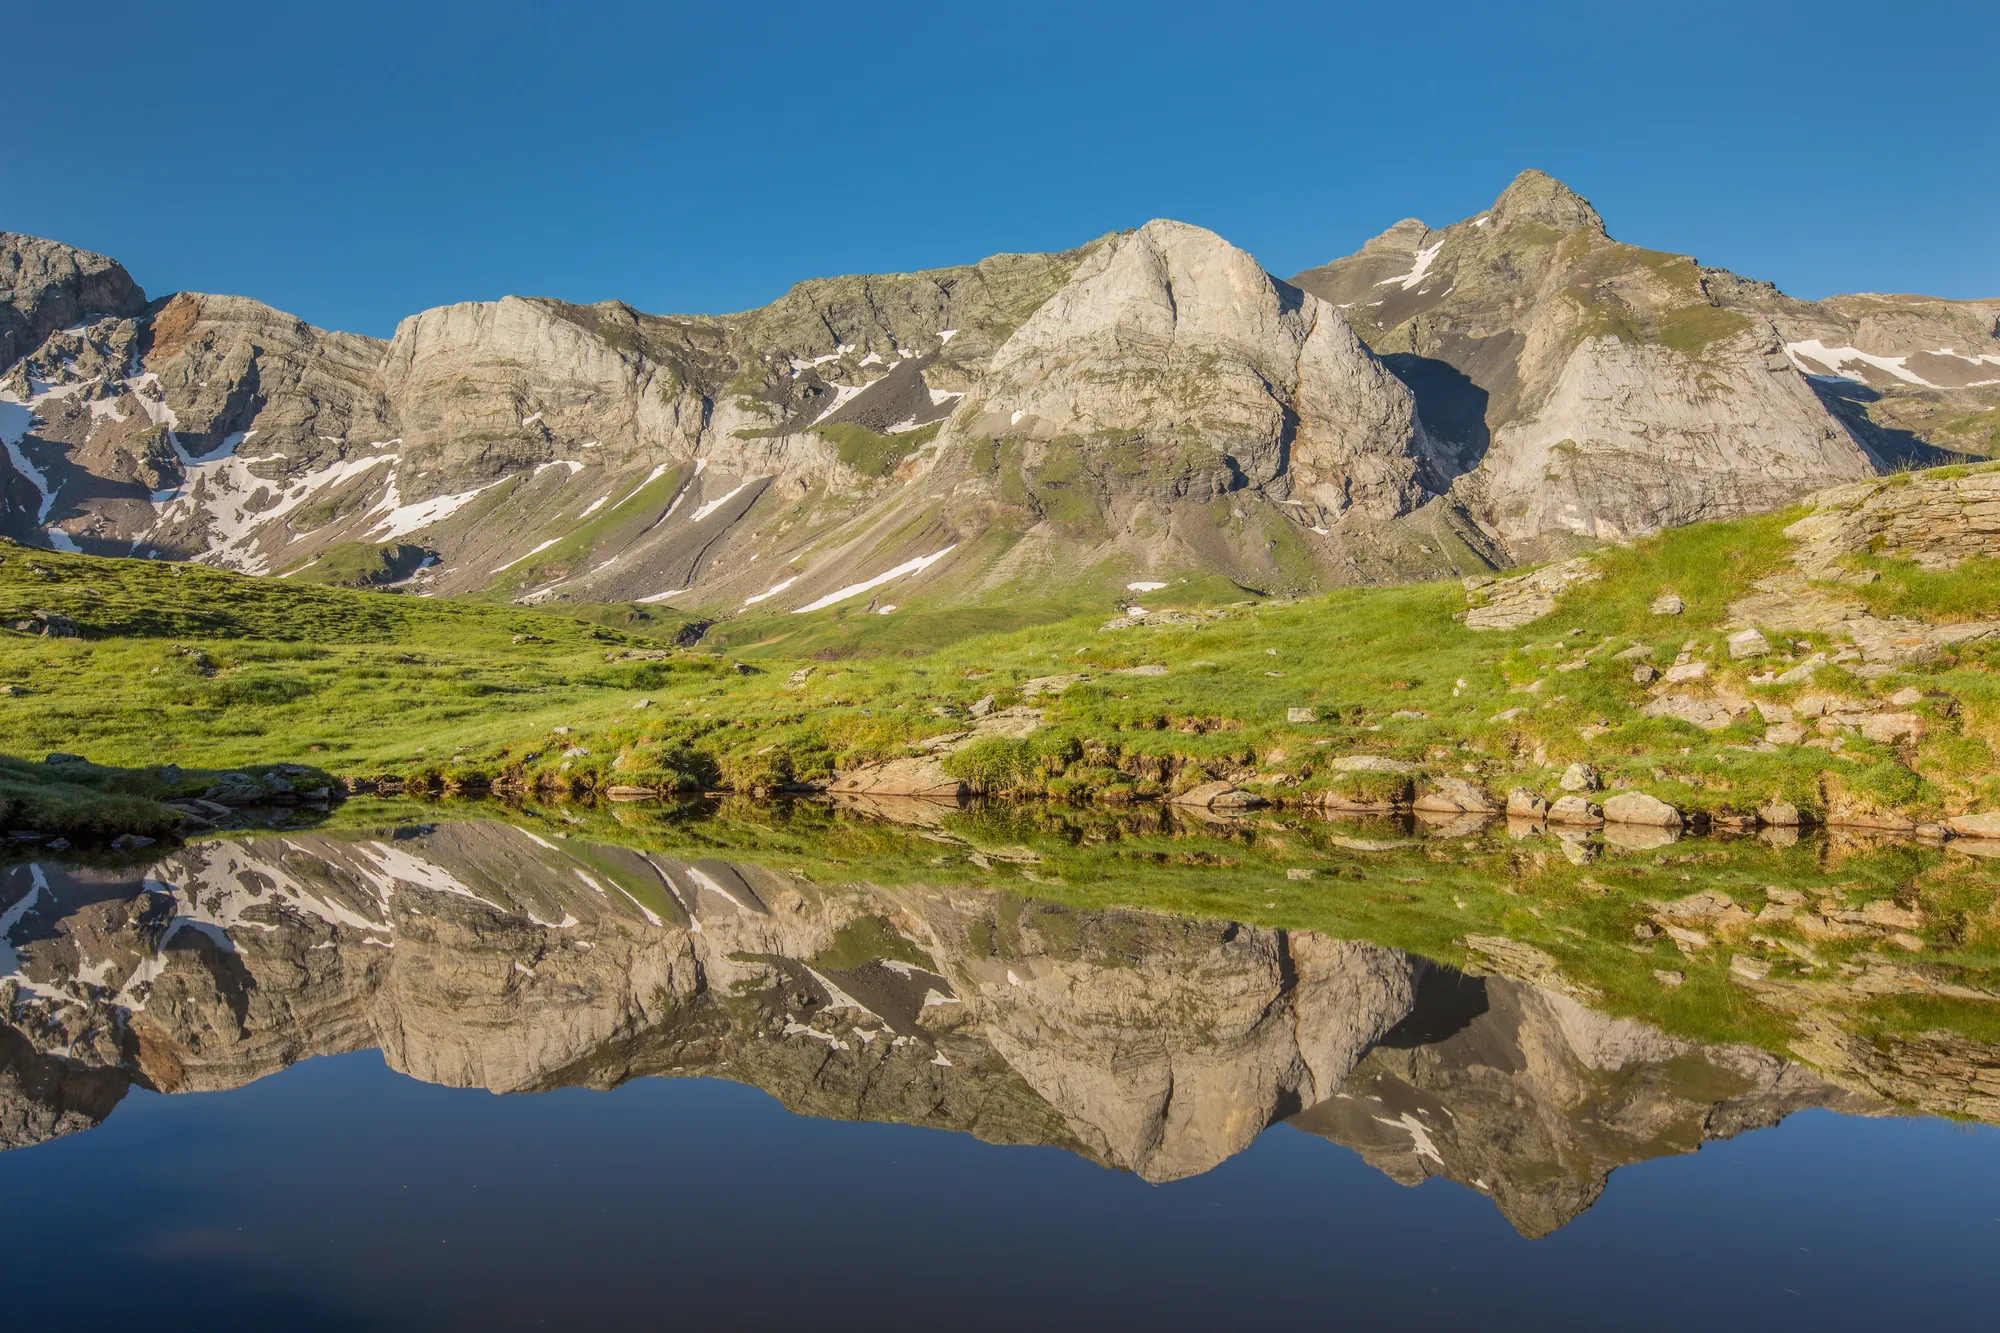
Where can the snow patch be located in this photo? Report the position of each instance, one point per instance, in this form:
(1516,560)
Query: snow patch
(402,520)
(922,562)
(1144,587)
(713,505)
(519,558)
(771,591)
(1836,360)
(1420,1137)
(1419,272)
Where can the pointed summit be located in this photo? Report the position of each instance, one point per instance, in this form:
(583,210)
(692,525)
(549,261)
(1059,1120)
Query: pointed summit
(1536,196)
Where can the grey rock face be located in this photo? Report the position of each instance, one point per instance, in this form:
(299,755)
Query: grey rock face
(1173,341)
(1147,406)
(46,286)
(1589,390)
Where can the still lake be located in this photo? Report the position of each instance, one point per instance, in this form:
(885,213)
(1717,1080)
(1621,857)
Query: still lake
(725,1070)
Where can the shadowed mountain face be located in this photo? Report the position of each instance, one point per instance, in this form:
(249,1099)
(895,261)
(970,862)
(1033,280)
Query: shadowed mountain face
(481,955)
(1149,407)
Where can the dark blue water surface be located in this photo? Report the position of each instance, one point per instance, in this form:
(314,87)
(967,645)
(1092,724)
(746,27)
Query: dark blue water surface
(339,1194)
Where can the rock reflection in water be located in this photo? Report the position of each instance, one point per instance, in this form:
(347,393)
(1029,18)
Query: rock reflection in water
(483,955)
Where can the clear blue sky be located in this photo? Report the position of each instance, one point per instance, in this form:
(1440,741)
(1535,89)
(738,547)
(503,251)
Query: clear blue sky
(358,161)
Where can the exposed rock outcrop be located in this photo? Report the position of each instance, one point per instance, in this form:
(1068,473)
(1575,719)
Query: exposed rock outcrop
(1589,390)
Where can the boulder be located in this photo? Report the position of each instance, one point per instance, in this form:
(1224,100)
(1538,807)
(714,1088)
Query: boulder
(1576,811)
(1985,825)
(901,777)
(1748,643)
(1888,728)
(1524,804)
(61,757)
(1447,795)
(1779,814)
(1222,794)
(1636,807)
(236,789)
(1579,777)
(1371,763)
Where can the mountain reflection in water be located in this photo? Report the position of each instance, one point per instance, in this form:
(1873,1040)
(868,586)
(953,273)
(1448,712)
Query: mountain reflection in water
(480,954)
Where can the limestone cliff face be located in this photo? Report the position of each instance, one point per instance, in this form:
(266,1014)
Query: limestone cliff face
(1589,390)
(1148,407)
(1631,439)
(1190,415)
(1174,343)
(480,955)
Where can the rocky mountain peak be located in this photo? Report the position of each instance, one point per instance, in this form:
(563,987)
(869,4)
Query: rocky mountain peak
(1536,197)
(1174,338)
(46,286)
(1402,239)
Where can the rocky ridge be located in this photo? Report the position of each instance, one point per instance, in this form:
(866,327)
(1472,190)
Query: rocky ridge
(1591,390)
(1148,407)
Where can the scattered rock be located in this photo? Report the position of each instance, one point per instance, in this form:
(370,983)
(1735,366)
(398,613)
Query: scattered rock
(1750,969)
(982,707)
(1669,979)
(1149,669)
(1682,672)
(1985,825)
(1370,763)
(62,757)
(1301,715)
(1512,602)
(1779,814)
(901,777)
(1579,777)
(1218,794)
(233,789)
(1667,604)
(1687,939)
(1748,643)
(1447,795)
(1888,728)
(1645,673)
(1576,811)
(1634,807)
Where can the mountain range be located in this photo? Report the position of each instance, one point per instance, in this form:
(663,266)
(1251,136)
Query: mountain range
(1031,431)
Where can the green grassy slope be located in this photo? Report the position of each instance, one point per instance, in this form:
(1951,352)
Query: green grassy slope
(204,667)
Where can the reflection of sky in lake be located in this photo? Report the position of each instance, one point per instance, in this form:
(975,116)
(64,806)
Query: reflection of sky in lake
(339,1194)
